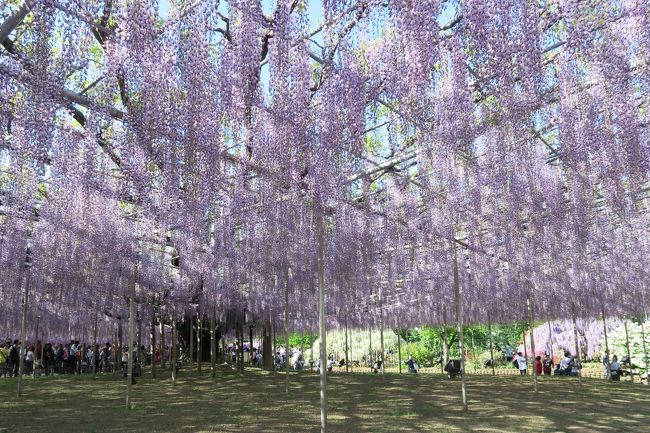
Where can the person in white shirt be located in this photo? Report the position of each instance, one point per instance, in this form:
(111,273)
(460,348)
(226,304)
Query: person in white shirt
(29,360)
(522,362)
(565,364)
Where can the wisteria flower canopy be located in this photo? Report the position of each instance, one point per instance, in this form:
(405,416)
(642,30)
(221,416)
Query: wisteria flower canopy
(192,147)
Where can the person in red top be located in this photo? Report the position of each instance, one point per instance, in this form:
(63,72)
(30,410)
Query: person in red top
(538,365)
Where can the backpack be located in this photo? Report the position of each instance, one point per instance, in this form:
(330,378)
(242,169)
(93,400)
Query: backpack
(13,354)
(515,363)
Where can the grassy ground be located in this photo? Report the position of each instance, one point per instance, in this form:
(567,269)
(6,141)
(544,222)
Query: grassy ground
(358,402)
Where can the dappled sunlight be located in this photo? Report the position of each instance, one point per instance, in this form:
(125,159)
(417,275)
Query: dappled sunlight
(357,402)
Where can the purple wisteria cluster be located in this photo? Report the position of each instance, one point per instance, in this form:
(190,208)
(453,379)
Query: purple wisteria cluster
(193,155)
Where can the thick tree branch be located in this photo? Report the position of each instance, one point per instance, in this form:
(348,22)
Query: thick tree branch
(14,20)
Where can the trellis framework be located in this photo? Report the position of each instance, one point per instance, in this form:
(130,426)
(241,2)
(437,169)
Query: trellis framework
(512,135)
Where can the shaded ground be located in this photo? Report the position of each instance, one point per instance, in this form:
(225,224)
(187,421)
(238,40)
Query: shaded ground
(357,403)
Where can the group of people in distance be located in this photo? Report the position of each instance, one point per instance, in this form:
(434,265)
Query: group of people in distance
(69,358)
(568,366)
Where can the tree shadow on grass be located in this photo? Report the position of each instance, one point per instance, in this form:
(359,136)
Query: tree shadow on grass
(357,402)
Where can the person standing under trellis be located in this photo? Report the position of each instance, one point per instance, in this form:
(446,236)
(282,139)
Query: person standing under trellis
(4,359)
(522,362)
(539,367)
(548,364)
(14,359)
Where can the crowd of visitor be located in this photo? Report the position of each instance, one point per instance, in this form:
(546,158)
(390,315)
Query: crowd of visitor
(71,358)
(77,358)
(568,366)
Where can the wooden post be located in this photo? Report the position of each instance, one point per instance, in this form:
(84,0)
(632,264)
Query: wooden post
(491,346)
(575,339)
(23,332)
(129,370)
(608,367)
(152,337)
(286,329)
(213,347)
(529,304)
(322,325)
(459,320)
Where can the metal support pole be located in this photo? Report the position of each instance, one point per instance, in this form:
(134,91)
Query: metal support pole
(130,351)
(36,351)
(273,341)
(399,353)
(191,318)
(575,339)
(491,346)
(473,352)
(213,347)
(322,325)
(287,360)
(550,340)
(627,346)
(645,353)
(95,348)
(608,365)
(163,350)
(459,320)
(199,342)
(347,355)
(152,337)
(529,304)
(381,330)
(174,348)
(23,333)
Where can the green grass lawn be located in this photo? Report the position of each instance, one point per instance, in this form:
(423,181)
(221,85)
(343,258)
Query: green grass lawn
(358,402)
